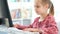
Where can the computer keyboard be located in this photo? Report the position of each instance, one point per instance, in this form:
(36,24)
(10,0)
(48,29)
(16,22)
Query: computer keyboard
(16,31)
(13,30)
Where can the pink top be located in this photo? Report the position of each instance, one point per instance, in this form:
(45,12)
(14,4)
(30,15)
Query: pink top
(48,25)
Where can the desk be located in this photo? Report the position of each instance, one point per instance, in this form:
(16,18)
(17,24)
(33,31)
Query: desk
(1,32)
(13,30)
(3,29)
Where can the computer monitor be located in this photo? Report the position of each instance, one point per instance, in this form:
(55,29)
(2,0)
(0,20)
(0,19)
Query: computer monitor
(5,17)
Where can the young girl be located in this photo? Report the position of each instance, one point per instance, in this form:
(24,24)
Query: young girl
(45,23)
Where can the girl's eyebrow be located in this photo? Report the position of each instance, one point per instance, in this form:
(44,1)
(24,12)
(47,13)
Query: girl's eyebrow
(36,5)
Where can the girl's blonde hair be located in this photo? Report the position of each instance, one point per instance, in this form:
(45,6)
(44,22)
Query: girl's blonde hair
(50,6)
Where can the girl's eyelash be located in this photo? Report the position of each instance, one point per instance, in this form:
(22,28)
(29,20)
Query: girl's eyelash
(37,6)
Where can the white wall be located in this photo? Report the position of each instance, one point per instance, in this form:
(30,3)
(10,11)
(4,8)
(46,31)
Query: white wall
(57,9)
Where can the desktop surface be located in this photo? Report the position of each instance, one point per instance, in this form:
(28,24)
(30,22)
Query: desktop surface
(12,30)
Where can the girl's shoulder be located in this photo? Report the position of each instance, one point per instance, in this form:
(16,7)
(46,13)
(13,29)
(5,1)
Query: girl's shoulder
(50,17)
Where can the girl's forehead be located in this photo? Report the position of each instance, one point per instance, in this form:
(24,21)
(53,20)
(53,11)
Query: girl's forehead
(37,2)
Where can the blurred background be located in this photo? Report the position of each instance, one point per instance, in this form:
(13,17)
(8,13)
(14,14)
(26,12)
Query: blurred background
(23,10)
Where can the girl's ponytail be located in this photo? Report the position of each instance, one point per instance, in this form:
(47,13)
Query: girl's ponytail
(51,10)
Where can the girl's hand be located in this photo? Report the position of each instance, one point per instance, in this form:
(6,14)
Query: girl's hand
(32,29)
(16,25)
(26,29)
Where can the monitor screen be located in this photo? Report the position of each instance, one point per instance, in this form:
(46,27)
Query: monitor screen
(5,17)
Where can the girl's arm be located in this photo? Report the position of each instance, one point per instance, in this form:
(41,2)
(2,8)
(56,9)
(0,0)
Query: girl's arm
(21,26)
(33,30)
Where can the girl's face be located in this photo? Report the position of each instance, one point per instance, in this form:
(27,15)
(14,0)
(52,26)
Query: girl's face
(39,8)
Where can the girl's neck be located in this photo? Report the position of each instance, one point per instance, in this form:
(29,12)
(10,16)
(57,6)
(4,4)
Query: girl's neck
(43,16)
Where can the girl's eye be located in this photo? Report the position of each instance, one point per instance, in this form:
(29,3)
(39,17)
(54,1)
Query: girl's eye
(37,6)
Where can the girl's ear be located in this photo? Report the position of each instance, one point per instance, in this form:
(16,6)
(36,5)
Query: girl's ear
(46,6)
